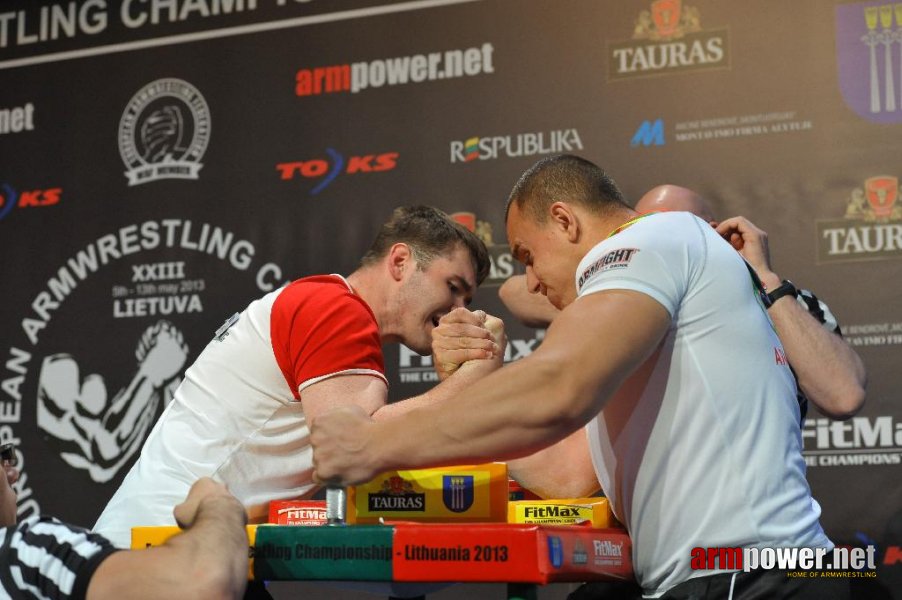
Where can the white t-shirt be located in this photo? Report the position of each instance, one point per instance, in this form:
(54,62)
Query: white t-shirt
(701,447)
(237,416)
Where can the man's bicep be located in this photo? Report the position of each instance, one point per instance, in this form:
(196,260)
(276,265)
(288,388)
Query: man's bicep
(603,337)
(366,391)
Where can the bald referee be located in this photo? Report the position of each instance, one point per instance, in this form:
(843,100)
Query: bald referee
(664,352)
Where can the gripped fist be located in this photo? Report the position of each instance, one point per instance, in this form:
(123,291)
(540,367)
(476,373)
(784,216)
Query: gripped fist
(340,451)
(205,495)
(463,335)
(751,242)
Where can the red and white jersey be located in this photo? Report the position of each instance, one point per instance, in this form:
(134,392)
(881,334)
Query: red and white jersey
(237,416)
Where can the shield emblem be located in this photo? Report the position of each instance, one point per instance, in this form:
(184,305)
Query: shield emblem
(865,75)
(881,193)
(457,492)
(666,15)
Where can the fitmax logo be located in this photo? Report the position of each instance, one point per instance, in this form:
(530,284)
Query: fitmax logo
(650,133)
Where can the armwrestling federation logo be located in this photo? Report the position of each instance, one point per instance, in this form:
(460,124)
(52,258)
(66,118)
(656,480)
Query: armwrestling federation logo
(868,35)
(871,228)
(668,39)
(164,132)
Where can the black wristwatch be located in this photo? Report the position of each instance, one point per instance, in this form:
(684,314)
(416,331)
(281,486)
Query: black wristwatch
(786,288)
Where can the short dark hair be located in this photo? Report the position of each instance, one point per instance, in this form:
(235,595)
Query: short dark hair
(567,178)
(430,233)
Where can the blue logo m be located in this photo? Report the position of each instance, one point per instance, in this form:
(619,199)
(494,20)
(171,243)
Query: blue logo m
(649,134)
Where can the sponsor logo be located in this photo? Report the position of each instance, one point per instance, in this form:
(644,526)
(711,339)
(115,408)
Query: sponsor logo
(668,39)
(871,228)
(397,494)
(555,551)
(502,264)
(457,492)
(93,405)
(551,511)
(11,199)
(615,259)
(873,334)
(841,561)
(326,169)
(515,145)
(17,119)
(780,357)
(857,441)
(649,133)
(418,68)
(741,126)
(580,556)
(164,132)
(607,553)
(868,60)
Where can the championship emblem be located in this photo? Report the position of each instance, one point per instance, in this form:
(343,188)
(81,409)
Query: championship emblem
(868,59)
(457,492)
(164,132)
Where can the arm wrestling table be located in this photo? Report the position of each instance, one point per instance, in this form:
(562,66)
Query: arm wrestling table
(521,555)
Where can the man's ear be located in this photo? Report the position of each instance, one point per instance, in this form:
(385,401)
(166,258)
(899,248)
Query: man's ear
(565,220)
(400,259)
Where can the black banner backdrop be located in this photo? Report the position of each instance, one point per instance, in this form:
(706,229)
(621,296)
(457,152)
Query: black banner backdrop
(162,163)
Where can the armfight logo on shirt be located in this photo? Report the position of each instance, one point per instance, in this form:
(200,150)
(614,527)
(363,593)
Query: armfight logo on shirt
(615,259)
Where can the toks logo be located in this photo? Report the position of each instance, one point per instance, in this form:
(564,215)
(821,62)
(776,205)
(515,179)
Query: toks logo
(10,199)
(327,169)
(668,39)
(868,65)
(871,228)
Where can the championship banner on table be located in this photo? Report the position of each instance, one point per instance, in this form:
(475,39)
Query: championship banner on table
(475,552)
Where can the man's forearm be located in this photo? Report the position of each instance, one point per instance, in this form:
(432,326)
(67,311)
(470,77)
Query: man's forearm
(829,371)
(502,417)
(452,386)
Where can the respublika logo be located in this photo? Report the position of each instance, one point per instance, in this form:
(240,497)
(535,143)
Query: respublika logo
(327,169)
(859,441)
(872,227)
(649,133)
(515,145)
(668,39)
(164,132)
(10,199)
(358,76)
(868,36)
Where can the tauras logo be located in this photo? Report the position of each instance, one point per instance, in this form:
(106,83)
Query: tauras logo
(871,227)
(668,39)
(411,502)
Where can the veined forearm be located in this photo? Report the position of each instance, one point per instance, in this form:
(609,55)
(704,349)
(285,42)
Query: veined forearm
(502,416)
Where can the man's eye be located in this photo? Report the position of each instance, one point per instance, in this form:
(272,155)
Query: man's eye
(452,287)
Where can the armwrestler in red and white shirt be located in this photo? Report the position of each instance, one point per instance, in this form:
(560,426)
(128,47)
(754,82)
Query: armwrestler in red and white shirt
(243,411)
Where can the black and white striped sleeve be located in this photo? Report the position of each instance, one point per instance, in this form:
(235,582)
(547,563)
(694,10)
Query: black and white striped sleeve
(42,557)
(819,310)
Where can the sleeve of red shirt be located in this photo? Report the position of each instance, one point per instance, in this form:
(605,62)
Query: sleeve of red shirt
(320,329)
